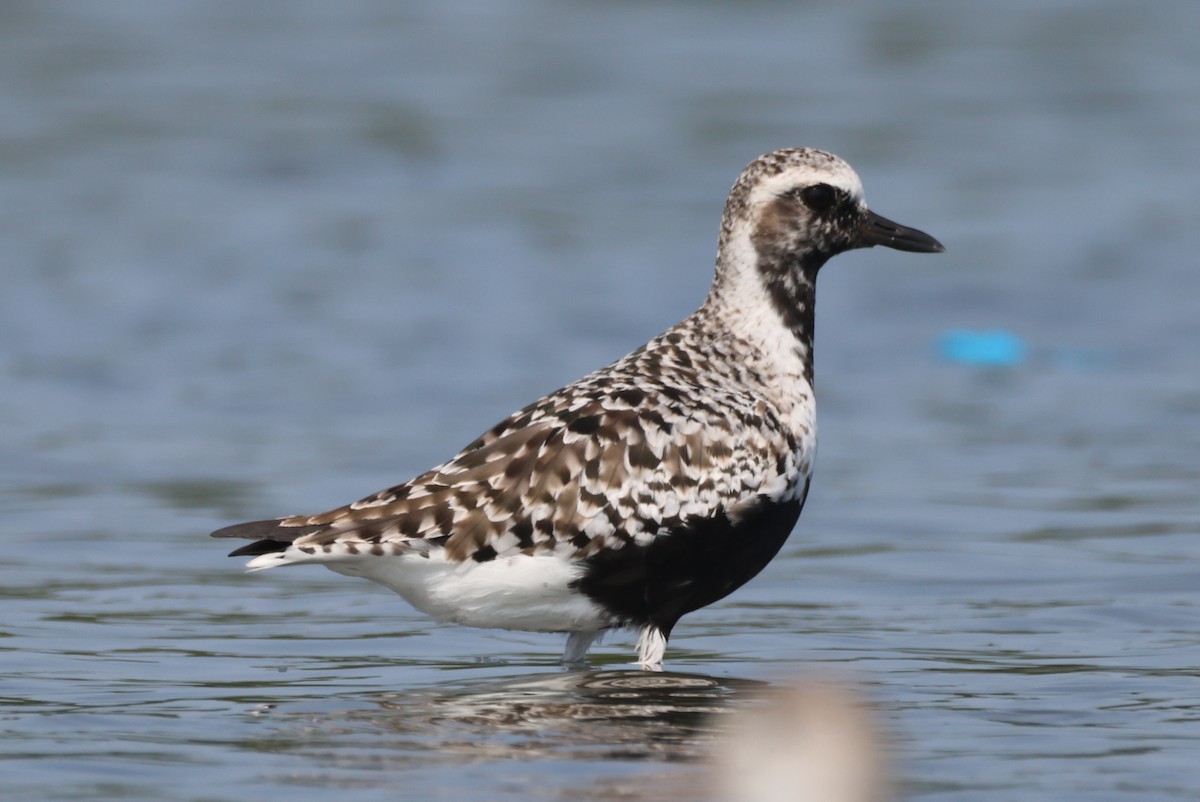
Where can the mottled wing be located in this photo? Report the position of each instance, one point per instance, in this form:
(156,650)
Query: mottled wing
(572,476)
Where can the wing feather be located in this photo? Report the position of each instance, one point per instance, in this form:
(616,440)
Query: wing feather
(572,474)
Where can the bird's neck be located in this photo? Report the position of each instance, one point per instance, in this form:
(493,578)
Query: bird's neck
(767,298)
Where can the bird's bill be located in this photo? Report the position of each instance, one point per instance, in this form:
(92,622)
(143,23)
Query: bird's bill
(878,230)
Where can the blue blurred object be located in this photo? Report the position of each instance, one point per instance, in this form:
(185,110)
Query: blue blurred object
(981,347)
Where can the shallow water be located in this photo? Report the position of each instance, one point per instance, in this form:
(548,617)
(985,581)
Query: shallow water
(262,260)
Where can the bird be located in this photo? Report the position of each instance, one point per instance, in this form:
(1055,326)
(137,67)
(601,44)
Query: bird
(647,489)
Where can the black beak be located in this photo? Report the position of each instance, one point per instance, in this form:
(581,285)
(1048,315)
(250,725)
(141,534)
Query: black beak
(876,230)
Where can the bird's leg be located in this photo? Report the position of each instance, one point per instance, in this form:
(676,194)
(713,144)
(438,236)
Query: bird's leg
(577,645)
(651,645)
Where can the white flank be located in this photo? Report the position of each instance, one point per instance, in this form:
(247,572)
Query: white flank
(530,593)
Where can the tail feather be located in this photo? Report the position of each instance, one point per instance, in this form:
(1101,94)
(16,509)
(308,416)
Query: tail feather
(274,529)
(268,546)
(269,537)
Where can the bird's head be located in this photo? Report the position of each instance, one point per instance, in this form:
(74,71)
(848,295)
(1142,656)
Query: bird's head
(804,204)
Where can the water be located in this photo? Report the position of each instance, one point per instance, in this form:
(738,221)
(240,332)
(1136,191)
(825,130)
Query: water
(262,259)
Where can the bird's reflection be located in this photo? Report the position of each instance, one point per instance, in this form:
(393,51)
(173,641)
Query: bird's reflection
(618,710)
(592,714)
(802,741)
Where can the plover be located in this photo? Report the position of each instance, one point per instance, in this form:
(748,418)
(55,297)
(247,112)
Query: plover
(647,489)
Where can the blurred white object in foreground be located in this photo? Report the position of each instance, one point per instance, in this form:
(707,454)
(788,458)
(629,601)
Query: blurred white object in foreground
(810,743)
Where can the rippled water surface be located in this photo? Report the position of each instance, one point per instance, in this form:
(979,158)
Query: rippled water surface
(266,258)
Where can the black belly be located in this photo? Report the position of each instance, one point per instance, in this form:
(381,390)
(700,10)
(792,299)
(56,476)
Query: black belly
(688,567)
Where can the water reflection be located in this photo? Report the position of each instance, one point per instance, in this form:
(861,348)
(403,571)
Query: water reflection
(728,738)
(622,714)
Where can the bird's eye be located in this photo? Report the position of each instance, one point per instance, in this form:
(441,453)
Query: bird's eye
(818,197)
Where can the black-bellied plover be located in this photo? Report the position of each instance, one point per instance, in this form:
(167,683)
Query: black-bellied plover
(643,491)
